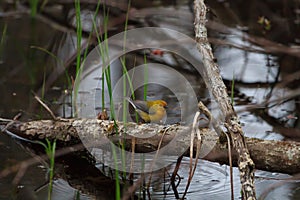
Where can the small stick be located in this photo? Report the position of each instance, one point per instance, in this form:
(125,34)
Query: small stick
(155,157)
(175,172)
(196,130)
(46,107)
(207,113)
(10,122)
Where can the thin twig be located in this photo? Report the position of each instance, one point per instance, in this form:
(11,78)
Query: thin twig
(156,154)
(36,159)
(10,122)
(216,126)
(129,191)
(196,130)
(173,177)
(230,165)
(46,107)
(132,157)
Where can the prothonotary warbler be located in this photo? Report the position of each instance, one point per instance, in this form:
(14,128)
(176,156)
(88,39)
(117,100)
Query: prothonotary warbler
(150,111)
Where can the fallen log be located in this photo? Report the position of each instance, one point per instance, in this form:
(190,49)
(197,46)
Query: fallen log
(269,155)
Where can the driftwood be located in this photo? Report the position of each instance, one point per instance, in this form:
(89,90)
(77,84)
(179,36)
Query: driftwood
(275,156)
(217,87)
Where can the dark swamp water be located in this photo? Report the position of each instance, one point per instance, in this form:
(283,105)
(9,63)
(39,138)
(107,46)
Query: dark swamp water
(245,41)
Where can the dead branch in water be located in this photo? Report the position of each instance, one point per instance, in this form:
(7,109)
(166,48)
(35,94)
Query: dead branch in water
(217,87)
(269,155)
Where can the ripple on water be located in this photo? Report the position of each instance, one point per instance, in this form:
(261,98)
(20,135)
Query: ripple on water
(210,181)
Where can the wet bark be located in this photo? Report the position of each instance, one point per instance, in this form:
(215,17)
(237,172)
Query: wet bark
(217,87)
(275,156)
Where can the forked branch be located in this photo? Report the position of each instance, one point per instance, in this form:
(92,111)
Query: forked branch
(217,87)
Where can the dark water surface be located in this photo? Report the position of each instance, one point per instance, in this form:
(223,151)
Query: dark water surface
(27,68)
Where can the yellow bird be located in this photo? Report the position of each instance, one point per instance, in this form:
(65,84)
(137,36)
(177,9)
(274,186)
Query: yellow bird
(150,111)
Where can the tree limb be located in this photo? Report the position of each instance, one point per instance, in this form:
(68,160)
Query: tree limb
(269,155)
(217,87)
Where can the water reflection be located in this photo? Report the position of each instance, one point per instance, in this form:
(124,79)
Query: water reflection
(211,181)
(24,69)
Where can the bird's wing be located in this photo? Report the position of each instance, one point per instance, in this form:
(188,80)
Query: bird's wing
(138,105)
(141,105)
